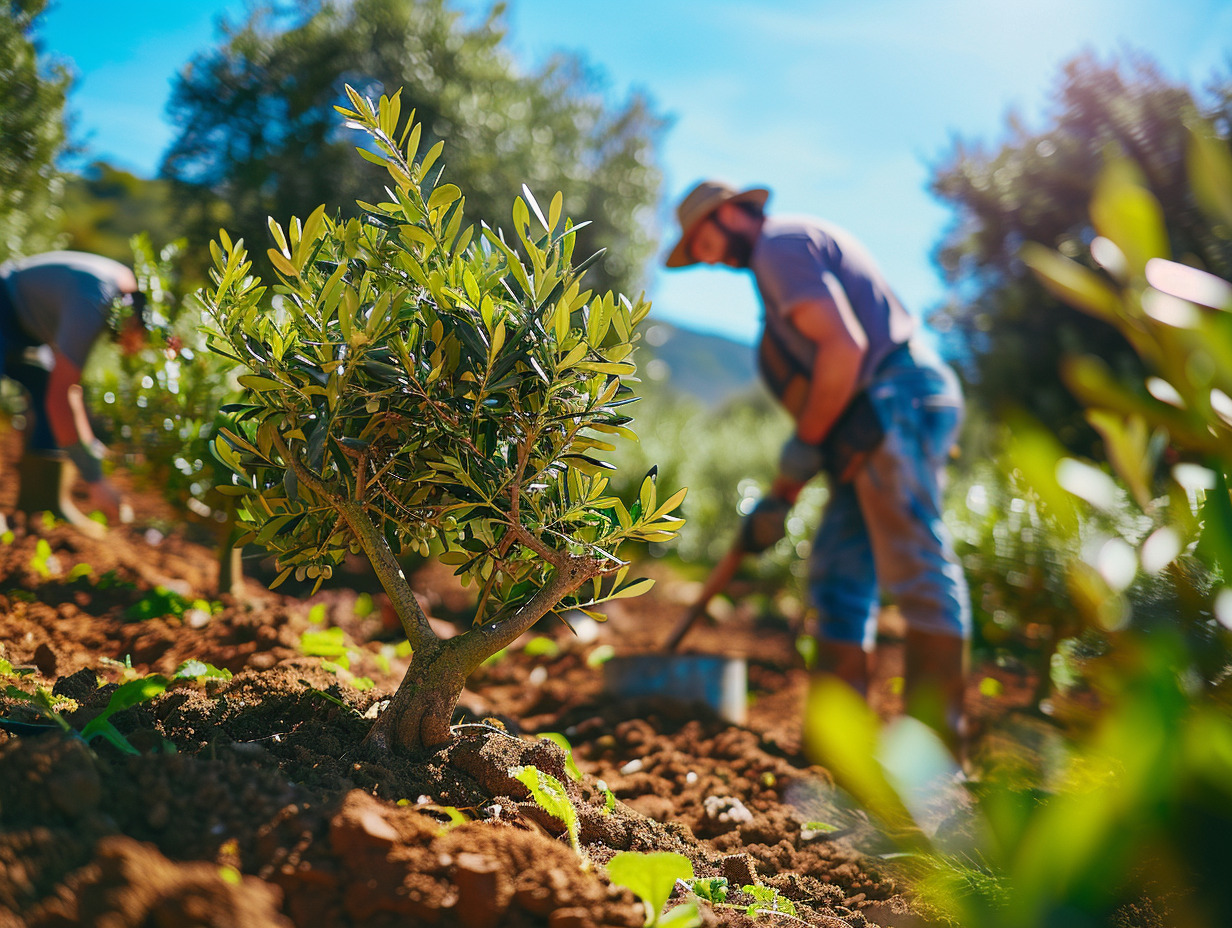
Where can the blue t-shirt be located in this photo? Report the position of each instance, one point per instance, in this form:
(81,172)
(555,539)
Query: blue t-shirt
(62,298)
(790,262)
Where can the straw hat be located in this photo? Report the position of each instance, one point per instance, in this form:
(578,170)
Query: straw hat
(701,201)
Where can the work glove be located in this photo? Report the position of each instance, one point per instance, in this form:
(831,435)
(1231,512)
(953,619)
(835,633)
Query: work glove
(765,525)
(799,461)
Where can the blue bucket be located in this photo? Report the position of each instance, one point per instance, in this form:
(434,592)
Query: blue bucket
(719,682)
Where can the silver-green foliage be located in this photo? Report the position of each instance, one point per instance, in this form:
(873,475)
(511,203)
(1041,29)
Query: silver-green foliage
(454,393)
(414,387)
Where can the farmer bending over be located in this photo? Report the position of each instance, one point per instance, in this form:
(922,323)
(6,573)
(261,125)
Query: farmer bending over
(53,308)
(874,408)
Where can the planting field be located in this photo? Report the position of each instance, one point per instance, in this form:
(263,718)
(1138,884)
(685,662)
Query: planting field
(242,795)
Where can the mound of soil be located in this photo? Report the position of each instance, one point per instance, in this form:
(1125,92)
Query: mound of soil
(252,801)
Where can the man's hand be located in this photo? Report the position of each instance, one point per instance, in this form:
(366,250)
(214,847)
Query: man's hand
(765,525)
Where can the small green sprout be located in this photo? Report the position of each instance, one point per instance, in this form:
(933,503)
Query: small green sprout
(194,669)
(42,561)
(811,830)
(652,877)
(161,601)
(768,901)
(45,703)
(130,694)
(600,656)
(550,795)
(561,741)
(541,646)
(329,643)
(609,798)
(712,889)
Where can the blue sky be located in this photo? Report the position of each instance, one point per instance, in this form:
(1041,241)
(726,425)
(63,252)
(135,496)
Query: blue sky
(839,106)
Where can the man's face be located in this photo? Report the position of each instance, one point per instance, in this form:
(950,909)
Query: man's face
(714,242)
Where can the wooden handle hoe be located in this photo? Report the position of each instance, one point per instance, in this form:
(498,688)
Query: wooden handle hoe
(715,584)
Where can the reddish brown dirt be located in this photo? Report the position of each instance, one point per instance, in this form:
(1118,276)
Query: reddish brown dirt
(253,803)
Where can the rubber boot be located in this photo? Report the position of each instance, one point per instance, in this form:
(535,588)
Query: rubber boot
(934,684)
(46,481)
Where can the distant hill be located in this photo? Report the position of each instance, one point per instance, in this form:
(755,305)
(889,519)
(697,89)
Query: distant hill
(709,367)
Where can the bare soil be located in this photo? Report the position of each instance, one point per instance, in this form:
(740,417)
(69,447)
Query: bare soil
(252,801)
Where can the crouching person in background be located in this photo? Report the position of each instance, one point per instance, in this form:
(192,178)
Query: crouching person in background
(54,307)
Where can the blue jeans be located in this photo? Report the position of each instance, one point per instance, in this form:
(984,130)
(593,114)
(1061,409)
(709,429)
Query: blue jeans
(882,530)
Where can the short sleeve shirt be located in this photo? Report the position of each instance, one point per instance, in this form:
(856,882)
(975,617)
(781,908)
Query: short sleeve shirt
(62,298)
(790,261)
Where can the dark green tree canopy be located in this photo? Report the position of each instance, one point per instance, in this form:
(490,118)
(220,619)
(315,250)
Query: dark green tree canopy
(257,135)
(31,133)
(1036,187)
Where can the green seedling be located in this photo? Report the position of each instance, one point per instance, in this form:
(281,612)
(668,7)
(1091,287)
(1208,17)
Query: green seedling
(811,830)
(79,572)
(609,798)
(550,795)
(600,656)
(8,537)
(571,766)
(364,606)
(806,647)
(541,646)
(453,815)
(711,889)
(41,563)
(328,642)
(7,670)
(126,696)
(130,694)
(111,581)
(125,667)
(194,669)
(316,615)
(768,902)
(161,601)
(652,877)
(45,703)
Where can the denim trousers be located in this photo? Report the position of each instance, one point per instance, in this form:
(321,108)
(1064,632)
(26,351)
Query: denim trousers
(882,530)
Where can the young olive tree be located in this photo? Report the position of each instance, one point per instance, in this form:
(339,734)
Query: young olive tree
(413,387)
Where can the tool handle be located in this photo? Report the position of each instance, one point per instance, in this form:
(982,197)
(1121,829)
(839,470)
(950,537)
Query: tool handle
(715,583)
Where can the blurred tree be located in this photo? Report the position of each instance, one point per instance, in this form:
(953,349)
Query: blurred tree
(31,133)
(105,206)
(258,135)
(1036,187)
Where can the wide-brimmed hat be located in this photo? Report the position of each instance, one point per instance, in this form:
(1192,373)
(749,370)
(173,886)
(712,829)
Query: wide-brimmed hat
(700,202)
